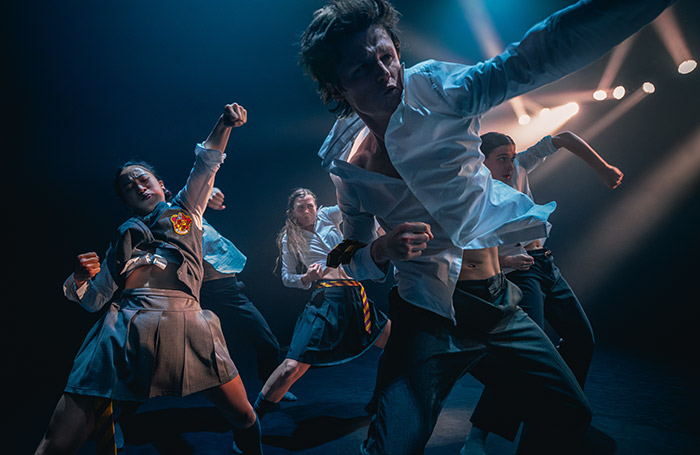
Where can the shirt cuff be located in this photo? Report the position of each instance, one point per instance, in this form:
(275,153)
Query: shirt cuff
(211,157)
(70,289)
(364,267)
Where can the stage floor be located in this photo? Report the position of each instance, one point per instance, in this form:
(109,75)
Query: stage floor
(640,407)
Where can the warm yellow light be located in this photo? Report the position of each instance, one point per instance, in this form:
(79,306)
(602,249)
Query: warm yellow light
(571,108)
(524,119)
(600,95)
(687,66)
(619,92)
(648,87)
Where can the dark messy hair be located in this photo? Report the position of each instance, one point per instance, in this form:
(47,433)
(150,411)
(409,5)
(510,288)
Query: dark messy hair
(147,166)
(490,141)
(318,53)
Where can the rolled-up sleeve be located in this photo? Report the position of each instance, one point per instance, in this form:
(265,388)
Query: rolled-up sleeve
(532,157)
(290,261)
(360,226)
(94,293)
(195,195)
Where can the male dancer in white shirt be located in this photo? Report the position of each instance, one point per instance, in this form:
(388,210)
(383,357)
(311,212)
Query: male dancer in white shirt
(405,150)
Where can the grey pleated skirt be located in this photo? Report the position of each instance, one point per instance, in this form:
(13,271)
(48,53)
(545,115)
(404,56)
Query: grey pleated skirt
(152,342)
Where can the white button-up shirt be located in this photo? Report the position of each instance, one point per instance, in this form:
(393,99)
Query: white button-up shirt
(433,142)
(325,237)
(526,162)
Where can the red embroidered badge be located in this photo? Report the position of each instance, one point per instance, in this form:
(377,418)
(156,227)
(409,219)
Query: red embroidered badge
(181,223)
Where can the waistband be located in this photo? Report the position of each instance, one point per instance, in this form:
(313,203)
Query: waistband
(218,283)
(487,289)
(158,299)
(540,252)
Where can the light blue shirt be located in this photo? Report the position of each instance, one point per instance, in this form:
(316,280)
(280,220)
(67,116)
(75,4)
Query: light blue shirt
(433,142)
(220,252)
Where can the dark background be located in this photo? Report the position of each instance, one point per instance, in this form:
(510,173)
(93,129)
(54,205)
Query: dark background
(91,84)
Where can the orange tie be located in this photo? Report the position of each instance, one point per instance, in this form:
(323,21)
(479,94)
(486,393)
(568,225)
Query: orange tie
(365,302)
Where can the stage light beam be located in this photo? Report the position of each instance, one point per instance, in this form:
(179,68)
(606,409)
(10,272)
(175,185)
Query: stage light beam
(613,115)
(617,57)
(490,43)
(641,208)
(666,25)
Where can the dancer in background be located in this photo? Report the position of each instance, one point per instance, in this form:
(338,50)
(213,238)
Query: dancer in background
(154,338)
(546,294)
(339,323)
(224,294)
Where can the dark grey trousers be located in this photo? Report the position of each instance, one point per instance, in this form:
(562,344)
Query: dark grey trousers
(239,317)
(546,295)
(426,354)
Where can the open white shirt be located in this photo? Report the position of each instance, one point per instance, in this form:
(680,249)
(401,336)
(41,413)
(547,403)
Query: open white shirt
(433,142)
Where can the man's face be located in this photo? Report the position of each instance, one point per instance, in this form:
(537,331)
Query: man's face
(140,189)
(370,73)
(500,163)
(304,211)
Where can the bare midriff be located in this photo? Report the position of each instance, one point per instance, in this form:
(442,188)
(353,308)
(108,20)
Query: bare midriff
(536,245)
(335,274)
(479,264)
(150,276)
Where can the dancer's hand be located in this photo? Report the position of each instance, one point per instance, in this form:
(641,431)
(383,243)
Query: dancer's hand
(611,176)
(517,261)
(404,243)
(87,266)
(313,273)
(216,199)
(235,115)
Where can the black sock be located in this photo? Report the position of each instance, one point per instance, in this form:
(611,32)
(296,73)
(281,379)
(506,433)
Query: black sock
(262,406)
(248,439)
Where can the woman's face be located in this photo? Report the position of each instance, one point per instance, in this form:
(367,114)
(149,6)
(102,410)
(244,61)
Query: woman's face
(501,163)
(140,189)
(304,212)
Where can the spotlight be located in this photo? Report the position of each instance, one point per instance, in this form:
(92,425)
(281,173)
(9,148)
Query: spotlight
(619,92)
(572,108)
(600,95)
(648,87)
(544,112)
(524,119)
(687,66)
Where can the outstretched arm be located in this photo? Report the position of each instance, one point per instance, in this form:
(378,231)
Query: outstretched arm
(611,176)
(234,116)
(209,156)
(563,43)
